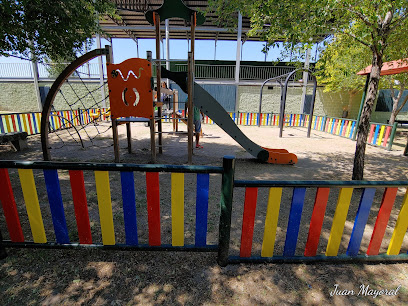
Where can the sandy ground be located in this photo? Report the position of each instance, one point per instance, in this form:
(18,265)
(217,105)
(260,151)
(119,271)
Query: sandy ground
(52,277)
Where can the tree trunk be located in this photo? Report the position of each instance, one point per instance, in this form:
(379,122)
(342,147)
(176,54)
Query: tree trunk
(364,125)
(395,100)
(393,115)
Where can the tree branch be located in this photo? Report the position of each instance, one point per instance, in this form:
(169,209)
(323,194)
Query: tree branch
(398,21)
(402,105)
(359,15)
(358,39)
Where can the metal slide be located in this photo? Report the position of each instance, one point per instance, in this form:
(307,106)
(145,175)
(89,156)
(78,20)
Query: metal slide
(211,107)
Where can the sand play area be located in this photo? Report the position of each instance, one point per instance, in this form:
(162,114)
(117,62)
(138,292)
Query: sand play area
(97,277)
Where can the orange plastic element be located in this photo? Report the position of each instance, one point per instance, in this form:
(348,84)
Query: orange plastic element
(281,156)
(130,91)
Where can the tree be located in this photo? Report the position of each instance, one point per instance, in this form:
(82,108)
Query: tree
(338,64)
(398,100)
(372,23)
(342,59)
(56,29)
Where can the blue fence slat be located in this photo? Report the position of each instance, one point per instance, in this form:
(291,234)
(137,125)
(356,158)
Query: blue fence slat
(19,123)
(129,206)
(35,123)
(203,182)
(360,222)
(353,125)
(1,125)
(294,221)
(56,206)
(341,127)
(377,128)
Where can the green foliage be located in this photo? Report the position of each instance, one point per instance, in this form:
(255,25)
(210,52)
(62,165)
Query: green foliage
(375,24)
(339,63)
(304,21)
(53,28)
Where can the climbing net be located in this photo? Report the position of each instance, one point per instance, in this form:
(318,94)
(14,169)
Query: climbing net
(79,111)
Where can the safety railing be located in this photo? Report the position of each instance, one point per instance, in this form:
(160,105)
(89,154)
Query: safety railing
(381,134)
(304,248)
(25,70)
(30,122)
(121,206)
(135,183)
(247,72)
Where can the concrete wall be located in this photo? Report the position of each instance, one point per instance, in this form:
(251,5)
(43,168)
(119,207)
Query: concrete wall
(330,104)
(20,97)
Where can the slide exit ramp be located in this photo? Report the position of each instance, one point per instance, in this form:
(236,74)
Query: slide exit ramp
(210,106)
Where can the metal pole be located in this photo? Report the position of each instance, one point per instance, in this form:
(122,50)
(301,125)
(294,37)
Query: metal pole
(158,79)
(361,107)
(190,84)
(266,52)
(167,49)
(227,192)
(152,124)
(238,60)
(305,80)
(101,77)
(215,47)
(87,63)
(190,108)
(34,66)
(309,127)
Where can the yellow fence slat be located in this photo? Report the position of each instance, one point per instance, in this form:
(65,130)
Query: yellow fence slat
(271,221)
(343,203)
(32,205)
(105,207)
(400,228)
(177,209)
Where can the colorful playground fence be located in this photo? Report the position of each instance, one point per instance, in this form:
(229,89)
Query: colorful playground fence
(31,122)
(323,189)
(381,135)
(100,174)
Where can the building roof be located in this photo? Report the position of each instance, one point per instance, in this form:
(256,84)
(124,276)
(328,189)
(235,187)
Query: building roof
(388,68)
(135,25)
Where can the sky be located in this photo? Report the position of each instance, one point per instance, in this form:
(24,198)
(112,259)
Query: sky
(204,50)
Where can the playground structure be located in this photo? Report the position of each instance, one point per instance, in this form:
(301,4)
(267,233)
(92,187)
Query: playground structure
(131,94)
(53,120)
(111,232)
(284,91)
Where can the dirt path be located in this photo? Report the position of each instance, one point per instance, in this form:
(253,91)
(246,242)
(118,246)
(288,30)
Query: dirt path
(121,278)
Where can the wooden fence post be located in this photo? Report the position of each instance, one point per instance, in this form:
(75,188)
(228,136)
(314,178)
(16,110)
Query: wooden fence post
(227,191)
(392,136)
(3,253)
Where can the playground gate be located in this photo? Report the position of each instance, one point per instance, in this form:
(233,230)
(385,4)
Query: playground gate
(100,174)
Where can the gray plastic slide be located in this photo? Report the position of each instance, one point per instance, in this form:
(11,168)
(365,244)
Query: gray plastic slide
(209,106)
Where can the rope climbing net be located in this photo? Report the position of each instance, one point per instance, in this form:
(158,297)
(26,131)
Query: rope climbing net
(79,111)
